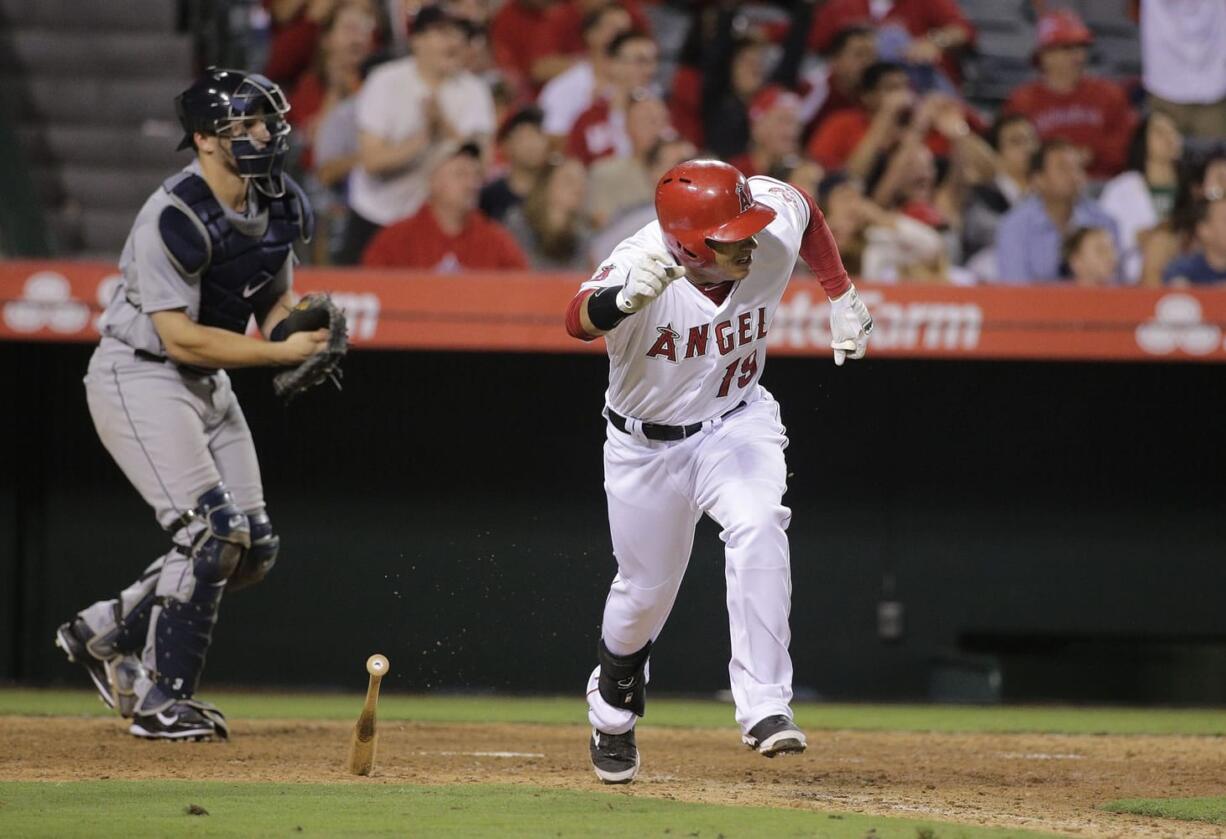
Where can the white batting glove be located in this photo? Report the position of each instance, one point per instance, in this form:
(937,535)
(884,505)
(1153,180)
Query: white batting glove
(646,281)
(850,325)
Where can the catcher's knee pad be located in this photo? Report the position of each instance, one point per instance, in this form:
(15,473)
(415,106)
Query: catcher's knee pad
(219,547)
(260,557)
(622,681)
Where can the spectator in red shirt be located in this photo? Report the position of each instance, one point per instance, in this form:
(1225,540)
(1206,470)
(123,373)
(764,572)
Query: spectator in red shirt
(561,37)
(774,133)
(934,30)
(855,138)
(448,234)
(852,51)
(516,41)
(337,74)
(601,129)
(1065,103)
(297,27)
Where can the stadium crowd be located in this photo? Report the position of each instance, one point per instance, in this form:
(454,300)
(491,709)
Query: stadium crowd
(496,134)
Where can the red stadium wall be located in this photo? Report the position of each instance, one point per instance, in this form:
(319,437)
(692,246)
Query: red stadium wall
(59,301)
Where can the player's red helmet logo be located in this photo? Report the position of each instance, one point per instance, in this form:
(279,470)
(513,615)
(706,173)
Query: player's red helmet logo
(706,200)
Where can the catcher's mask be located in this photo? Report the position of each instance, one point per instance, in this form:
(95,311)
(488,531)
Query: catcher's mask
(220,103)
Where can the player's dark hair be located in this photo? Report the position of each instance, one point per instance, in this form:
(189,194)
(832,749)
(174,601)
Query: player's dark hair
(877,71)
(844,35)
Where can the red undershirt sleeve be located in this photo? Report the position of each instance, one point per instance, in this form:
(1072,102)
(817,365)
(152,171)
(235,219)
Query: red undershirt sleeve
(818,250)
(573,327)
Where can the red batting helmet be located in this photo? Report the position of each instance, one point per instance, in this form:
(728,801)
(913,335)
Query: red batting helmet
(702,200)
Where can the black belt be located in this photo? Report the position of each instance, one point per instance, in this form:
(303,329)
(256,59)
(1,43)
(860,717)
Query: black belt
(145,355)
(665,433)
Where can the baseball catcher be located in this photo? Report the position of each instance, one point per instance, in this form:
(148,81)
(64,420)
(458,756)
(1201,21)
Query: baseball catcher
(209,251)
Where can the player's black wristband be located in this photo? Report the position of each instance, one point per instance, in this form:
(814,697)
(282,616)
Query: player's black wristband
(602,309)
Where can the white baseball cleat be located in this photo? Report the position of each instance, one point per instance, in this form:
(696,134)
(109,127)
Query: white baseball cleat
(776,735)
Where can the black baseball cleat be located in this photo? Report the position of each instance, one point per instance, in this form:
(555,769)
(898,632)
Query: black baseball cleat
(615,757)
(182,720)
(776,735)
(73,638)
(114,678)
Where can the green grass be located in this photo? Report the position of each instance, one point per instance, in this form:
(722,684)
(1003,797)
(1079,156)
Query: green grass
(159,808)
(1212,810)
(665,712)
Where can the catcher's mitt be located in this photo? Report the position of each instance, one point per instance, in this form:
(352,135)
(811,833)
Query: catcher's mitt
(314,311)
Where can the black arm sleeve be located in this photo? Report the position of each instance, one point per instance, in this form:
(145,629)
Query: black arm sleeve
(602,309)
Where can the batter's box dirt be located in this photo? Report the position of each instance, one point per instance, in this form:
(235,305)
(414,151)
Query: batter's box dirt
(1043,782)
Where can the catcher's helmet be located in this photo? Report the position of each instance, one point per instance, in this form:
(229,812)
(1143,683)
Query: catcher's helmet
(706,200)
(222,100)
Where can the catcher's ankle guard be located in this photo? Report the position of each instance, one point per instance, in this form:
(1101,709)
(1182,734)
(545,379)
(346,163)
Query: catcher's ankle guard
(622,683)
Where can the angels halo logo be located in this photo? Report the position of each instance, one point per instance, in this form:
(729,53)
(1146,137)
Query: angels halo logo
(742,194)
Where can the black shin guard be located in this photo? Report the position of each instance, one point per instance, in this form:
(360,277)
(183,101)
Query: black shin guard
(622,683)
(183,634)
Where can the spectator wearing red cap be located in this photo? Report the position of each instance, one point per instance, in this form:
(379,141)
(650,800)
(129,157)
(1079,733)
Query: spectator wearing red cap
(1183,61)
(448,234)
(1065,103)
(774,133)
(936,30)
(599,131)
(569,94)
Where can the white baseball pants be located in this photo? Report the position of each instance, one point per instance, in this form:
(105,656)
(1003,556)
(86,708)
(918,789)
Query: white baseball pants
(734,471)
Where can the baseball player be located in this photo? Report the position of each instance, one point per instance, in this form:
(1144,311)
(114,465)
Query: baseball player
(685,305)
(210,249)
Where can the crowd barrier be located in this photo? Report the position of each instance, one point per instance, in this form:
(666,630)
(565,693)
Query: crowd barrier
(499,312)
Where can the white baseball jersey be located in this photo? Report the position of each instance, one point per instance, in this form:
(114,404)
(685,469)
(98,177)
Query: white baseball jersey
(683,359)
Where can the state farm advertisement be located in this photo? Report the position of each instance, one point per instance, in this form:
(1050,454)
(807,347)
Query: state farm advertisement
(501,312)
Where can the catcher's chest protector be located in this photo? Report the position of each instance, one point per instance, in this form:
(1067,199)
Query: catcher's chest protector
(237,268)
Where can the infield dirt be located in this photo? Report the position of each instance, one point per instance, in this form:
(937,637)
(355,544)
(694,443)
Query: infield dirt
(1040,782)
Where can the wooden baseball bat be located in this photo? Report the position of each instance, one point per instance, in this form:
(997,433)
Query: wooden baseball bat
(365,738)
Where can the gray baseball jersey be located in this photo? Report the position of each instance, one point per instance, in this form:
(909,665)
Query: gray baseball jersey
(153,283)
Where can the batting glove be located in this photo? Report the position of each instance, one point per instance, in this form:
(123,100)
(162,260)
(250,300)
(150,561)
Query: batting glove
(850,325)
(646,281)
